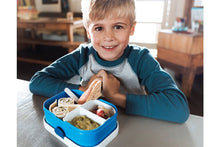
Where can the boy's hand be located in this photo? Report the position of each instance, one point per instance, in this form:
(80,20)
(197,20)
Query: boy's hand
(111,86)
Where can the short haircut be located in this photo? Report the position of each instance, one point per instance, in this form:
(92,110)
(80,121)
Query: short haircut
(94,10)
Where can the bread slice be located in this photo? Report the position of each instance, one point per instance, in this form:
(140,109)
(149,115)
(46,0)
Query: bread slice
(96,90)
(54,104)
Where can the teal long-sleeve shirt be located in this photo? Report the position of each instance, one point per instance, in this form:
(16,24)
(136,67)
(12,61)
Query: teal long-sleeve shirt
(150,91)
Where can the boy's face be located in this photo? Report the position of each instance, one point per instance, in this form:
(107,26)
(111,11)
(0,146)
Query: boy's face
(110,36)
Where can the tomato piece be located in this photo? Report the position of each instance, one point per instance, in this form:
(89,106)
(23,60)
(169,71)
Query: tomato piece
(100,113)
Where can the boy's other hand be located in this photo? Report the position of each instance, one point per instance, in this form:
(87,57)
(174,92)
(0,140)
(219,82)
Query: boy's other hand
(111,86)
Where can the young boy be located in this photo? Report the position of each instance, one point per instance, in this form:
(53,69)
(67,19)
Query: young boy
(132,78)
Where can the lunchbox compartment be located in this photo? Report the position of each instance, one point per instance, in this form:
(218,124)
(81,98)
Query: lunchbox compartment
(79,136)
(93,105)
(90,104)
(81,111)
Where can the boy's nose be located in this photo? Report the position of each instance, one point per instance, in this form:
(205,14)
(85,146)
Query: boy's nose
(109,36)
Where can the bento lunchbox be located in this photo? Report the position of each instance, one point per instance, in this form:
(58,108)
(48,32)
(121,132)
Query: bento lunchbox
(72,135)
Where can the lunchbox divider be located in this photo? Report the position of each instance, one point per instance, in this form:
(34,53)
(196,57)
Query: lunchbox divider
(96,102)
(81,111)
(100,121)
(92,103)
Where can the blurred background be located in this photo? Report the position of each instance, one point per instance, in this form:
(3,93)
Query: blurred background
(171,29)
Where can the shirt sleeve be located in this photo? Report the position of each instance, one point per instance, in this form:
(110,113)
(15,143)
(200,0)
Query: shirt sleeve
(164,100)
(52,79)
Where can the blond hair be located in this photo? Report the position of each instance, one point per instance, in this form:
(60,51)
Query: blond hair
(94,10)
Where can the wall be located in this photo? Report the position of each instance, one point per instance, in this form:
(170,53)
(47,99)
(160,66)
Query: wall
(75,5)
(179,9)
(174,8)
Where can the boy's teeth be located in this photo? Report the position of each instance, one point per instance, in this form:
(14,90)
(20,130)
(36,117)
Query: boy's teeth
(108,47)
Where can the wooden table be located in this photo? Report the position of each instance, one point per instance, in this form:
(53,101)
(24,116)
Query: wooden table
(51,24)
(133,130)
(183,53)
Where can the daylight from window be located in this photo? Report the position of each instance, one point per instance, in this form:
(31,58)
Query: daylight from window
(149,16)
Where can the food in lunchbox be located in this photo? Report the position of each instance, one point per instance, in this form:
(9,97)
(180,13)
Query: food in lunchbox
(62,103)
(66,101)
(83,122)
(69,102)
(54,104)
(102,111)
(93,92)
(60,111)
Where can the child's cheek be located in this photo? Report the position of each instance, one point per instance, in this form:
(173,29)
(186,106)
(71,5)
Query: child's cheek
(96,39)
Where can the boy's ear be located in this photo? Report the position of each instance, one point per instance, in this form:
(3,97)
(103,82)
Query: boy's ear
(88,34)
(132,29)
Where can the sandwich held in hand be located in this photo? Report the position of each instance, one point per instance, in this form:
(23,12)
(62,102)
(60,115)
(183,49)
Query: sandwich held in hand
(93,92)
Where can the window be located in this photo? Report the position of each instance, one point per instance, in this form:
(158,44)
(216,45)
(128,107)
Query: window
(153,15)
(149,17)
(198,3)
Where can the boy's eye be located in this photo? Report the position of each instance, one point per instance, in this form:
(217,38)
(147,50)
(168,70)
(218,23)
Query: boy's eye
(118,27)
(98,29)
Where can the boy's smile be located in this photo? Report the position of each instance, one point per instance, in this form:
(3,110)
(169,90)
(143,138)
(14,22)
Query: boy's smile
(110,36)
